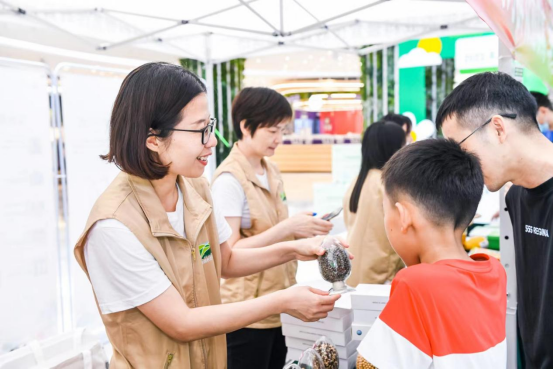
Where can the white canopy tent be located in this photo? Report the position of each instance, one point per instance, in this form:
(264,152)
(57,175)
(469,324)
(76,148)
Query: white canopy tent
(128,33)
(214,31)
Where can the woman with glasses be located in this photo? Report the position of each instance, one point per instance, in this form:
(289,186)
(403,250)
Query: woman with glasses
(153,247)
(248,190)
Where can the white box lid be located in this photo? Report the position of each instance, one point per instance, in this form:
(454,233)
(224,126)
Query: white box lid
(328,323)
(370,296)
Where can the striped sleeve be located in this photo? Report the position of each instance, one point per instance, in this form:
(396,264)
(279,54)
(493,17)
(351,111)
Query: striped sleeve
(398,339)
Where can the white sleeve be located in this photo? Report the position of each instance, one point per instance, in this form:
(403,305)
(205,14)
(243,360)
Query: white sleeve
(123,273)
(228,195)
(223,228)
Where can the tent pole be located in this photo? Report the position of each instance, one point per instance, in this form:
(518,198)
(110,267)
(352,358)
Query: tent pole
(384,81)
(231,28)
(332,27)
(281,17)
(322,23)
(224,10)
(277,32)
(139,37)
(427,31)
(325,26)
(396,80)
(211,99)
(229,102)
(165,41)
(175,19)
(375,88)
(23,12)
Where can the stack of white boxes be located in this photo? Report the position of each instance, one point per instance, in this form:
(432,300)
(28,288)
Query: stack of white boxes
(367,303)
(337,326)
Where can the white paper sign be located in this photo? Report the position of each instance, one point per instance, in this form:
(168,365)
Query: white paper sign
(28,245)
(87,102)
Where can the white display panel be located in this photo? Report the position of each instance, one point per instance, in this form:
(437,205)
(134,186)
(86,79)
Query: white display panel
(346,162)
(28,243)
(87,102)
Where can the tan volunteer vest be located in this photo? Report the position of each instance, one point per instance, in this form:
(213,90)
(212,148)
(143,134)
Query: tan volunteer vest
(267,209)
(193,265)
(375,261)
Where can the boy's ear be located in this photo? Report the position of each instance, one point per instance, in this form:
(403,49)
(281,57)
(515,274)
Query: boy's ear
(405,217)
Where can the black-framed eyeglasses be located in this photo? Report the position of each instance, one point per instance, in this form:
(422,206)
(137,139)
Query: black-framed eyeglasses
(206,131)
(510,116)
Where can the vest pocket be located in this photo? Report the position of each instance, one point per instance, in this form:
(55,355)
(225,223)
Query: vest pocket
(168,360)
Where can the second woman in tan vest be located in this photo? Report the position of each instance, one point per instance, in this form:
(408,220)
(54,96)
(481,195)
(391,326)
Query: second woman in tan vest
(375,260)
(249,192)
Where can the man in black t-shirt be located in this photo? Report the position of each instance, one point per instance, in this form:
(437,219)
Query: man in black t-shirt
(494,116)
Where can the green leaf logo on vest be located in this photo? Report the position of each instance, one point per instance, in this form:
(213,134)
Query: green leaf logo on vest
(205,252)
(283,196)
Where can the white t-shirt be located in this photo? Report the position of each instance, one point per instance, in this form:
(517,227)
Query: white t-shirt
(231,199)
(123,273)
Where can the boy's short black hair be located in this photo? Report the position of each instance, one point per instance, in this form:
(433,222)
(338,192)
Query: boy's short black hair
(259,107)
(542,100)
(483,95)
(441,177)
(399,119)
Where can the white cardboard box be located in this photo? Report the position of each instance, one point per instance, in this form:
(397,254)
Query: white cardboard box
(294,354)
(359,331)
(300,344)
(365,316)
(370,297)
(309,333)
(329,323)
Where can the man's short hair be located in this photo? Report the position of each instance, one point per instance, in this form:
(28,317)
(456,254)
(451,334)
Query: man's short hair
(483,95)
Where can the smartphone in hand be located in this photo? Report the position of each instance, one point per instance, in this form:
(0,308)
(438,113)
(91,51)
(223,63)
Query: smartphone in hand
(332,215)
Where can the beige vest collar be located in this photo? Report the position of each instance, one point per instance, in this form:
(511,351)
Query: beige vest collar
(196,209)
(239,157)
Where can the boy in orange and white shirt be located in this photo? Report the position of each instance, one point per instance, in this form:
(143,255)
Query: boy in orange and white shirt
(446,309)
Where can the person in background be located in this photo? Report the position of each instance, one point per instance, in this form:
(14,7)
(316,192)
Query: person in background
(494,116)
(375,261)
(544,115)
(153,247)
(248,190)
(404,122)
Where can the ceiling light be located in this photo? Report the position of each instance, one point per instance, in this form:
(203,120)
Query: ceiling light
(343,96)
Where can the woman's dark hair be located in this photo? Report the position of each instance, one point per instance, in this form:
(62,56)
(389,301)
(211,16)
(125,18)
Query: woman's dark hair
(399,119)
(259,107)
(380,142)
(150,98)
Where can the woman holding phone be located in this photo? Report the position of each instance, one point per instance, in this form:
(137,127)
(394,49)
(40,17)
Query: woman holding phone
(249,191)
